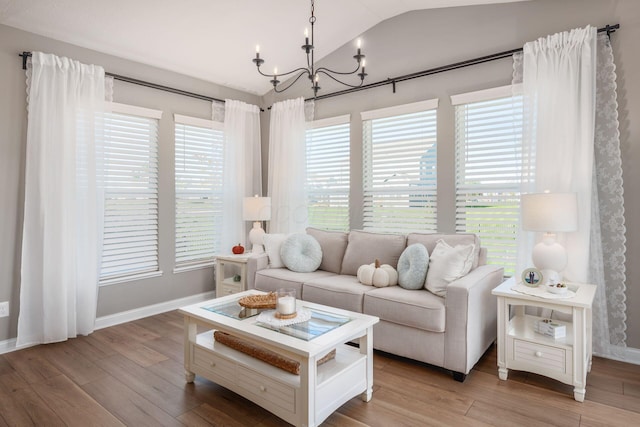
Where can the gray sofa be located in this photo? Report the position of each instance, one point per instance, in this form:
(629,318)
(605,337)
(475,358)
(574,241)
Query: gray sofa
(452,332)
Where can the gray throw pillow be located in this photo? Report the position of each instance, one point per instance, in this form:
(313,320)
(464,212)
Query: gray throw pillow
(301,253)
(412,267)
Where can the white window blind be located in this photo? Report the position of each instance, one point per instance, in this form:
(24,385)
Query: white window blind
(399,169)
(130,245)
(198,181)
(488,174)
(328,144)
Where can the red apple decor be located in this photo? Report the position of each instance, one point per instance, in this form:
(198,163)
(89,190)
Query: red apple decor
(238,249)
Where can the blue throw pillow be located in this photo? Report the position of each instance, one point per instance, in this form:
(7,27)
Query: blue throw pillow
(412,266)
(301,252)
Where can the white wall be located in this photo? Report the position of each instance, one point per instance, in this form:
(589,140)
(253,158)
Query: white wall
(13,115)
(429,38)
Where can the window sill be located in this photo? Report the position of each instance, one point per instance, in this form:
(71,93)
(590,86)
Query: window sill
(131,278)
(185,268)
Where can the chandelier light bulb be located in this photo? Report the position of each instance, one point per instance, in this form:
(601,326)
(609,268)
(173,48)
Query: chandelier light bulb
(317,78)
(257,48)
(306,33)
(359,43)
(275,71)
(364,63)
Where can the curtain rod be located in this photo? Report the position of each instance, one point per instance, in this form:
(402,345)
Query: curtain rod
(126,79)
(392,81)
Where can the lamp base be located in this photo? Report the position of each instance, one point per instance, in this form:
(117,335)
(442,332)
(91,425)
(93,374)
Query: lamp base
(256,237)
(550,257)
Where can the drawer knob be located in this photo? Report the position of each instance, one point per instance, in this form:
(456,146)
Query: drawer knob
(213,364)
(538,354)
(263,388)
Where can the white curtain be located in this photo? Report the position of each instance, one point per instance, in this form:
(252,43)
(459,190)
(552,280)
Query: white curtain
(287,167)
(242,166)
(62,231)
(607,240)
(559,81)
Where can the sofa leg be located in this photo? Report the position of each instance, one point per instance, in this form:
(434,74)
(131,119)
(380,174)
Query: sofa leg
(459,376)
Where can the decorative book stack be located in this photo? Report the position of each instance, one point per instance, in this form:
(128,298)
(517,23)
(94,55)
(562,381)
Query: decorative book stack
(550,328)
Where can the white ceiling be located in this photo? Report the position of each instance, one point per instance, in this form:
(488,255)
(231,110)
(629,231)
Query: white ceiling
(213,40)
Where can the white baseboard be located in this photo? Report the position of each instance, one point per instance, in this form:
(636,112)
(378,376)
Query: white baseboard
(150,310)
(9,345)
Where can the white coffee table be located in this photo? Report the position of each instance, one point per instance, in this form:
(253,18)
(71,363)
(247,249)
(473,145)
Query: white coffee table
(306,399)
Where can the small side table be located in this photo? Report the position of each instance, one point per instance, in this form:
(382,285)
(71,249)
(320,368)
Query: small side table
(565,359)
(225,283)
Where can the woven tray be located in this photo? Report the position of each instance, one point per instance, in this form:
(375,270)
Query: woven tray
(259,301)
(264,354)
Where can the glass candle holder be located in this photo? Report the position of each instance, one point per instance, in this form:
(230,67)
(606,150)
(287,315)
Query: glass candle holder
(285,302)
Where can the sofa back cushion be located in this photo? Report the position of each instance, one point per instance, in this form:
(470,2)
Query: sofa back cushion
(333,244)
(453,239)
(365,247)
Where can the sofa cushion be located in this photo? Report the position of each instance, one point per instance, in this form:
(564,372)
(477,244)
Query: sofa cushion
(417,309)
(272,279)
(364,247)
(429,240)
(272,245)
(333,244)
(301,252)
(336,291)
(447,264)
(412,266)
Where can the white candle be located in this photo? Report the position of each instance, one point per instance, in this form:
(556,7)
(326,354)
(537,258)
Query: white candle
(286,305)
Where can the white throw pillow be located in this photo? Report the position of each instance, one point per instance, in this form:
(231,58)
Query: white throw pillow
(447,264)
(272,245)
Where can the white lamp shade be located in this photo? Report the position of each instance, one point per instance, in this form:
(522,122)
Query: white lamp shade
(550,212)
(256,208)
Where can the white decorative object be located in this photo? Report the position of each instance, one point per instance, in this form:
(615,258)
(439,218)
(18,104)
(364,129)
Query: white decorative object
(256,209)
(550,213)
(285,303)
(378,275)
(542,292)
(269,318)
(273,244)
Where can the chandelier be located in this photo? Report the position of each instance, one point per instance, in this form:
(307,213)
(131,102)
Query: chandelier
(312,73)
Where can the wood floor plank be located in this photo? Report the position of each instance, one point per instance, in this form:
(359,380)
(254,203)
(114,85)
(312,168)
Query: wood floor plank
(19,404)
(129,347)
(167,347)
(73,364)
(172,399)
(499,415)
(91,348)
(5,366)
(32,365)
(127,405)
(192,419)
(72,404)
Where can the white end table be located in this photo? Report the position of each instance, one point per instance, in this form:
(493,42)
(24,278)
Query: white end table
(565,359)
(225,283)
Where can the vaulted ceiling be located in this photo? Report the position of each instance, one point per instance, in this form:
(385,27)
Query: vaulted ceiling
(213,40)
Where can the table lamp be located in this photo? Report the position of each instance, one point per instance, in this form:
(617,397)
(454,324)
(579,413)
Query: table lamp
(550,213)
(256,209)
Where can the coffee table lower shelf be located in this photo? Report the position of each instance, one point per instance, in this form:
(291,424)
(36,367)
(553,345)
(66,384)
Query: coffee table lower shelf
(278,391)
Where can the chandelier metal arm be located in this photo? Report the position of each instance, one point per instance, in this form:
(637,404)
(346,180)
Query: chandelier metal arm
(337,80)
(328,70)
(283,74)
(302,73)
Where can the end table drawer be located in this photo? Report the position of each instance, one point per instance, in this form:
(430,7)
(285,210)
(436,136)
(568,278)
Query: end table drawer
(265,388)
(228,289)
(552,358)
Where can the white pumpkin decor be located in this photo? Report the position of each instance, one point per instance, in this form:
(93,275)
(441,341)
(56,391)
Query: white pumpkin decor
(377,275)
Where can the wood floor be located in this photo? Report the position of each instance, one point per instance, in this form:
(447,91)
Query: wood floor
(132,374)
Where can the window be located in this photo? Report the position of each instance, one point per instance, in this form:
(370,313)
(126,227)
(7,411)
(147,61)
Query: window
(399,168)
(130,245)
(488,171)
(198,178)
(328,146)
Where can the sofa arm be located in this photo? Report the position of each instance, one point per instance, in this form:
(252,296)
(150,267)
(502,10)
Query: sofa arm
(470,326)
(254,264)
